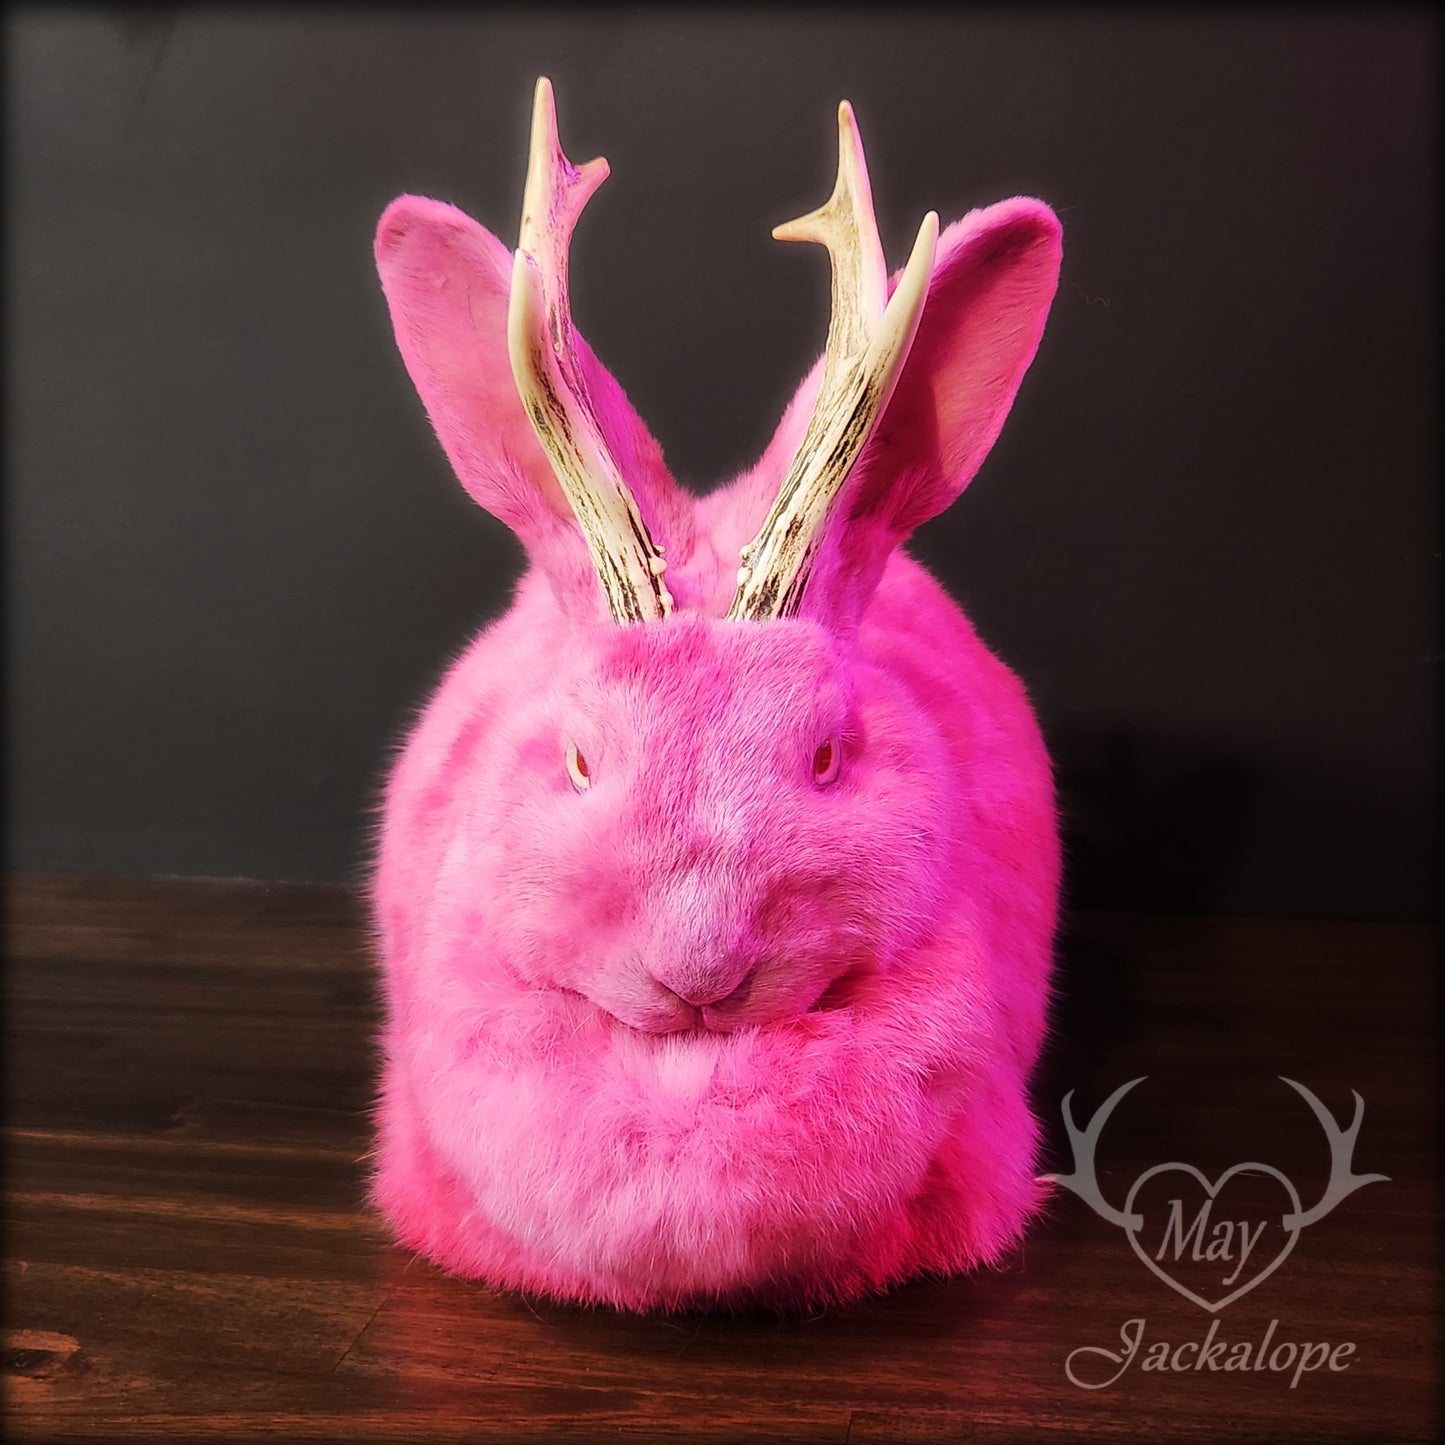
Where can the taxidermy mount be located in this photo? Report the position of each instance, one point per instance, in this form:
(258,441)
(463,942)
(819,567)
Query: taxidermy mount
(716,884)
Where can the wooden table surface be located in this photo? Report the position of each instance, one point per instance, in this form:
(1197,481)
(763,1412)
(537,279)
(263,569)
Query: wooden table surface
(189,1071)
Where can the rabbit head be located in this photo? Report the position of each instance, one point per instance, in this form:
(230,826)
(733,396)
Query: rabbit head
(719,791)
(710,822)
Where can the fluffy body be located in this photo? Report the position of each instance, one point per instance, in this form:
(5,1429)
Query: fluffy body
(709,1033)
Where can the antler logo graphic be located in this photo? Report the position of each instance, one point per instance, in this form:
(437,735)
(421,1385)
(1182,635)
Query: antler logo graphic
(1227,1242)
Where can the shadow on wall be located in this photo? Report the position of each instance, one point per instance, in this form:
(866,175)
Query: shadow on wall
(1150,828)
(1174,825)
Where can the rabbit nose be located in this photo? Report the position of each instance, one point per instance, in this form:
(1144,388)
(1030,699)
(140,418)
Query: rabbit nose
(701,944)
(702,984)
(703,994)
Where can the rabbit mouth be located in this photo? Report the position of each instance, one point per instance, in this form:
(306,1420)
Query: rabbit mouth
(687,1019)
(708,1019)
(664,1018)
(755,1007)
(758,1001)
(667,1014)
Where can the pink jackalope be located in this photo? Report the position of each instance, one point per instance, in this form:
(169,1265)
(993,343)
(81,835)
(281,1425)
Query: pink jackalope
(717,883)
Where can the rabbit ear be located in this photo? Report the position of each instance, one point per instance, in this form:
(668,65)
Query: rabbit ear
(993,277)
(988,298)
(448,282)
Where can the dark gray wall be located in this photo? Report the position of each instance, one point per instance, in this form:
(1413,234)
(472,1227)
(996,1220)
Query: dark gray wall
(1208,539)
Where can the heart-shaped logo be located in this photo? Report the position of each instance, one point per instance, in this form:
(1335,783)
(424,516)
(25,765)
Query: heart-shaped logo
(1194,1233)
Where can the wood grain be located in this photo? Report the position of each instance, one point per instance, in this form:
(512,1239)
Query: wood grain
(189,1069)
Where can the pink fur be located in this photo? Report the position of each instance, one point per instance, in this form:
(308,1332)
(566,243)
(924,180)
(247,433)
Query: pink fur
(845,1104)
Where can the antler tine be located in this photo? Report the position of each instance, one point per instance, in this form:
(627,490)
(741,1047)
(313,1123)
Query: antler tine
(867,345)
(629,564)
(847,225)
(555,195)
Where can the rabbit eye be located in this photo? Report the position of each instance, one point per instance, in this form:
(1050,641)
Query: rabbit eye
(577,769)
(826,761)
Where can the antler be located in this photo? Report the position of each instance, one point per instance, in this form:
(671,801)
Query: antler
(1083,1180)
(550,382)
(868,343)
(1342,1149)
